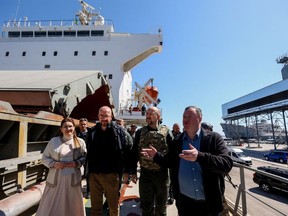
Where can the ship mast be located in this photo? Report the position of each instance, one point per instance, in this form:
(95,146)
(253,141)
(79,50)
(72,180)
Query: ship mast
(283,60)
(86,13)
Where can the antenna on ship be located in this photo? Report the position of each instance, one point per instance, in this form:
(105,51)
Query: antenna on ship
(86,13)
(17,9)
(283,60)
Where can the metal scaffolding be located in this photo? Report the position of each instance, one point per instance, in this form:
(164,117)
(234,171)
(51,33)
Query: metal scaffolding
(264,125)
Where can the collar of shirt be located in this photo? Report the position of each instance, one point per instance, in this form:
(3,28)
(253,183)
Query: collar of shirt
(185,136)
(195,142)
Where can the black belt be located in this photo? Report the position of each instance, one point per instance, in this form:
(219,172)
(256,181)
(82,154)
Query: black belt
(192,200)
(197,201)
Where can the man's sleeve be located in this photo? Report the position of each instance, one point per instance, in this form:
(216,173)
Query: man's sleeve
(129,140)
(169,137)
(132,155)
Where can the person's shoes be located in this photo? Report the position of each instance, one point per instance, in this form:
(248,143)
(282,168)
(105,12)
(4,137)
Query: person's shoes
(170,201)
(87,196)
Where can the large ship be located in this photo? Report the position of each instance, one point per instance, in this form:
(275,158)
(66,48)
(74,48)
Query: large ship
(52,69)
(262,130)
(73,67)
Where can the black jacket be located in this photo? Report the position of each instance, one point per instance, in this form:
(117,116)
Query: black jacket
(215,163)
(121,147)
(85,138)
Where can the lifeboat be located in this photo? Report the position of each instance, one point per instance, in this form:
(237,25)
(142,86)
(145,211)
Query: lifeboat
(152,91)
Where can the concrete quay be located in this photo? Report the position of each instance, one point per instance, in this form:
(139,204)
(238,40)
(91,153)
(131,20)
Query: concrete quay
(131,203)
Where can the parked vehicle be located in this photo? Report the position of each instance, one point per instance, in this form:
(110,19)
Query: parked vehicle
(269,183)
(238,156)
(277,155)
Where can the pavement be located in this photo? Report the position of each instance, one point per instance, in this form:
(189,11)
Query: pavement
(130,202)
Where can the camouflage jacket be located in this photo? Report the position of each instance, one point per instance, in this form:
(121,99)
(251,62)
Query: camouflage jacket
(158,138)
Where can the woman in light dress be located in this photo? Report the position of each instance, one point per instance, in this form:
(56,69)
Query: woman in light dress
(64,155)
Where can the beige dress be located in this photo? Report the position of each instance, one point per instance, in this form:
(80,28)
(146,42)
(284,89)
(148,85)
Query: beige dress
(63,199)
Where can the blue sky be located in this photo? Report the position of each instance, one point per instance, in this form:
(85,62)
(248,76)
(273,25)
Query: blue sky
(214,51)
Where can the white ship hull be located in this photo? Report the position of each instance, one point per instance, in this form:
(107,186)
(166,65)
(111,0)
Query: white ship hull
(25,48)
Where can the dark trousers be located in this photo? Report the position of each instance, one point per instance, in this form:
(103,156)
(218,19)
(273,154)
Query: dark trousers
(189,206)
(153,189)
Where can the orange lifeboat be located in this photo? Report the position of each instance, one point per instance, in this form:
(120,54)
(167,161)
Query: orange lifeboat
(152,91)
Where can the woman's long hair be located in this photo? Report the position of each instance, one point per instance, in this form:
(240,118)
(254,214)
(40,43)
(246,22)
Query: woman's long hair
(75,138)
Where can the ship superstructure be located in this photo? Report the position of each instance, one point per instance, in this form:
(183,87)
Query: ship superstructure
(86,43)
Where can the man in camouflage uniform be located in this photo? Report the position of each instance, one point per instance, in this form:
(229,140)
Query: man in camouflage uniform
(154,180)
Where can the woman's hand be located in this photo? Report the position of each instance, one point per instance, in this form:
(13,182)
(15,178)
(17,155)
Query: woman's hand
(62,165)
(58,165)
(70,164)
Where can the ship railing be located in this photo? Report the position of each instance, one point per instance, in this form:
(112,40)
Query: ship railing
(53,23)
(135,111)
(239,207)
(134,116)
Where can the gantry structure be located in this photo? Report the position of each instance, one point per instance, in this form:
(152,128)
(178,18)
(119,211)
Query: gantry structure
(261,115)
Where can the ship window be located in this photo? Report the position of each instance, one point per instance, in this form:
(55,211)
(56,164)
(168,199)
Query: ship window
(69,33)
(47,66)
(40,33)
(54,33)
(55,53)
(27,34)
(14,34)
(75,53)
(83,33)
(7,54)
(23,53)
(106,53)
(43,53)
(93,53)
(110,76)
(97,33)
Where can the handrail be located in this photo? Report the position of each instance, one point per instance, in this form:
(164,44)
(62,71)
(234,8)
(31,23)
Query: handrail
(261,172)
(242,190)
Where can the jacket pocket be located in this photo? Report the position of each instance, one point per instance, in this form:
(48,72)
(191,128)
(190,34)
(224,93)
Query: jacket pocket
(52,177)
(76,178)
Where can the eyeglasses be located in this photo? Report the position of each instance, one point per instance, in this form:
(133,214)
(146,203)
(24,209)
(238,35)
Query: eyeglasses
(104,116)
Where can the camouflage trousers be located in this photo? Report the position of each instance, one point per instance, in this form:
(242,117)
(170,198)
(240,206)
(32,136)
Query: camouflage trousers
(153,189)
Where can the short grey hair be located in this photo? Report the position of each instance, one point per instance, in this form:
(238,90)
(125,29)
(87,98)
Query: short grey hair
(198,110)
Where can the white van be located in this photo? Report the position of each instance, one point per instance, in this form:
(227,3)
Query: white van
(238,156)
